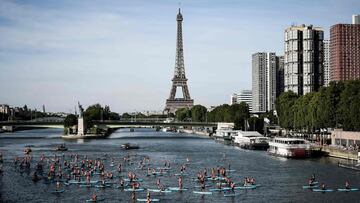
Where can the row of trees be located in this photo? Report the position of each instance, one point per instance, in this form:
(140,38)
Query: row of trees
(336,106)
(236,113)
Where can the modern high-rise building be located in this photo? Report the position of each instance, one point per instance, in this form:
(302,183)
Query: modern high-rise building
(245,96)
(280,75)
(259,82)
(345,50)
(304,53)
(264,70)
(326,62)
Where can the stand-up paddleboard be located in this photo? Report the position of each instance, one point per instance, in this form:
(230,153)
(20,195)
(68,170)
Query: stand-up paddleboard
(102,186)
(246,187)
(230,170)
(310,186)
(134,190)
(97,200)
(134,180)
(159,191)
(202,192)
(348,190)
(321,190)
(82,182)
(216,178)
(163,168)
(219,189)
(177,189)
(181,174)
(199,186)
(145,200)
(222,184)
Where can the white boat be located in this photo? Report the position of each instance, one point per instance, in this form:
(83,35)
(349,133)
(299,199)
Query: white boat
(226,134)
(251,140)
(166,129)
(289,147)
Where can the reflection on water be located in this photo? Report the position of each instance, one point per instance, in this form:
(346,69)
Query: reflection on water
(281,179)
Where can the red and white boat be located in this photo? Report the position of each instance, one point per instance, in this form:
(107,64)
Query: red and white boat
(289,147)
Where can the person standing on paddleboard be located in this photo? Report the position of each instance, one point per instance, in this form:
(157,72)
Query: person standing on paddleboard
(180,181)
(347,185)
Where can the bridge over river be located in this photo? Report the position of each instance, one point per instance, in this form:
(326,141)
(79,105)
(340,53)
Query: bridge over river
(108,123)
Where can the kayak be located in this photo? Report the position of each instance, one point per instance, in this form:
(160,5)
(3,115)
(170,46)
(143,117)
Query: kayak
(321,190)
(134,190)
(348,190)
(231,194)
(177,189)
(145,200)
(58,191)
(98,200)
(161,191)
(310,186)
(202,192)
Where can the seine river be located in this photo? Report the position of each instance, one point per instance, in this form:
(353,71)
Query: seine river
(281,179)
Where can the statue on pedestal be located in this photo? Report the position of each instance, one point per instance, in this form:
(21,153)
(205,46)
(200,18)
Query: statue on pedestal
(81,110)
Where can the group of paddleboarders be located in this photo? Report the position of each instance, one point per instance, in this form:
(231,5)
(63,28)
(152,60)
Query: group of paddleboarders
(312,182)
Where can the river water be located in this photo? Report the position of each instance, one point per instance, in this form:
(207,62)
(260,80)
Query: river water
(281,179)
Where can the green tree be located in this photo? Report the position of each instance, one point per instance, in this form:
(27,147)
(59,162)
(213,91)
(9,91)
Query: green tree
(70,120)
(198,113)
(183,114)
(349,106)
(284,106)
(239,114)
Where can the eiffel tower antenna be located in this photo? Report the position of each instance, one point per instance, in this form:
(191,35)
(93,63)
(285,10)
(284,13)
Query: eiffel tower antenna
(179,79)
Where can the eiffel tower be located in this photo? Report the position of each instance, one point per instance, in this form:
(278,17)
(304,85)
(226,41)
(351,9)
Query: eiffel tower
(179,79)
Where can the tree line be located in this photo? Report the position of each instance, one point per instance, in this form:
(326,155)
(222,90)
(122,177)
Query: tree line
(335,106)
(236,113)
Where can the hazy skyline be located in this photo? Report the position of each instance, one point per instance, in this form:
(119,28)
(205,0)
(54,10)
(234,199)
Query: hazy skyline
(122,53)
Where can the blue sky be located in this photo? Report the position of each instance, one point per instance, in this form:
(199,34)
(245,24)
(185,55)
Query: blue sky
(122,53)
